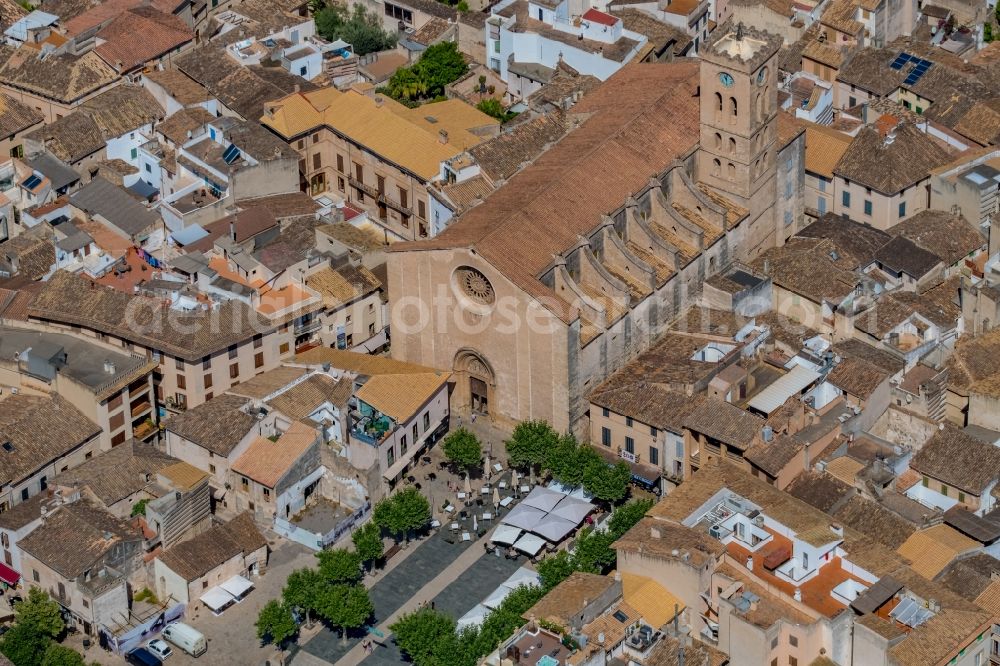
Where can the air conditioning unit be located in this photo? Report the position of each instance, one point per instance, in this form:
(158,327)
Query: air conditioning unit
(715,532)
(759,521)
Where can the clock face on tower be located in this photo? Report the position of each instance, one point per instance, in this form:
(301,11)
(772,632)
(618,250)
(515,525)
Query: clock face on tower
(726,79)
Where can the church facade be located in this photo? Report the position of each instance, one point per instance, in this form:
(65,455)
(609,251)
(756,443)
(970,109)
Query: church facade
(579,261)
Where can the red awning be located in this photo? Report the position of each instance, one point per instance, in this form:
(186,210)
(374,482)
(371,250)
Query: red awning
(8,575)
(777,557)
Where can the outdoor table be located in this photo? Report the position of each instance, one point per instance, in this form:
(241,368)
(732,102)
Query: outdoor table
(449,509)
(454,527)
(466,536)
(435,523)
(487,516)
(502,484)
(461,496)
(498,467)
(525,489)
(485,491)
(506,501)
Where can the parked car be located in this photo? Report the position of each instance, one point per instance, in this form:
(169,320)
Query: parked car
(187,638)
(142,657)
(160,648)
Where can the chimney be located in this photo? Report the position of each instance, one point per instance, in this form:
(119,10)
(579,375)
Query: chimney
(750,562)
(798,594)
(232,231)
(443,136)
(837,529)
(296,89)
(379,100)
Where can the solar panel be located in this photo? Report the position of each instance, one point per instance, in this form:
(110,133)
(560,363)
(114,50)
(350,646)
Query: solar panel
(900,61)
(232,152)
(910,613)
(31,182)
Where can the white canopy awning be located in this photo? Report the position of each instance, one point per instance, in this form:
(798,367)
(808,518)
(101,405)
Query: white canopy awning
(577,492)
(553,528)
(217,599)
(474,617)
(523,516)
(505,534)
(523,576)
(572,509)
(497,597)
(542,498)
(530,544)
(237,586)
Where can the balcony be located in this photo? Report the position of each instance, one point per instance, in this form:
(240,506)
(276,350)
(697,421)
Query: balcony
(382,199)
(144,429)
(141,407)
(361,187)
(308,327)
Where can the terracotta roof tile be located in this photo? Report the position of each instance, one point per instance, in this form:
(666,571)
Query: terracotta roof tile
(824,148)
(16,116)
(725,422)
(304,398)
(196,557)
(502,156)
(217,425)
(76,536)
(873,519)
(959,460)
(570,597)
(951,237)
(643,118)
(40,430)
(72,299)
(267,462)
(64,77)
(871,160)
(141,35)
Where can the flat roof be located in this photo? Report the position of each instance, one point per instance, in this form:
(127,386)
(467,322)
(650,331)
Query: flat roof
(84,360)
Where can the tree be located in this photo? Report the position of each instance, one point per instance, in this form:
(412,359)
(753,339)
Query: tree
(627,515)
(403,512)
(420,634)
(593,552)
(302,589)
(358,27)
(462,448)
(439,65)
(554,569)
(530,443)
(40,612)
(139,508)
(368,542)
(568,461)
(60,655)
(607,482)
(275,623)
(491,106)
(339,565)
(24,645)
(345,607)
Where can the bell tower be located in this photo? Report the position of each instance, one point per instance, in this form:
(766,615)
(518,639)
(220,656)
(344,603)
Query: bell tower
(739,106)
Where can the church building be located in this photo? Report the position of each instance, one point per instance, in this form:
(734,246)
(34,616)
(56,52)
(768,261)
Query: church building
(578,262)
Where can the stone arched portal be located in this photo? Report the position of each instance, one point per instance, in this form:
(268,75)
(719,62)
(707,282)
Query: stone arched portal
(475,382)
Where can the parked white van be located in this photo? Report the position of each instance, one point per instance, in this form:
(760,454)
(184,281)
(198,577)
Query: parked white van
(187,638)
